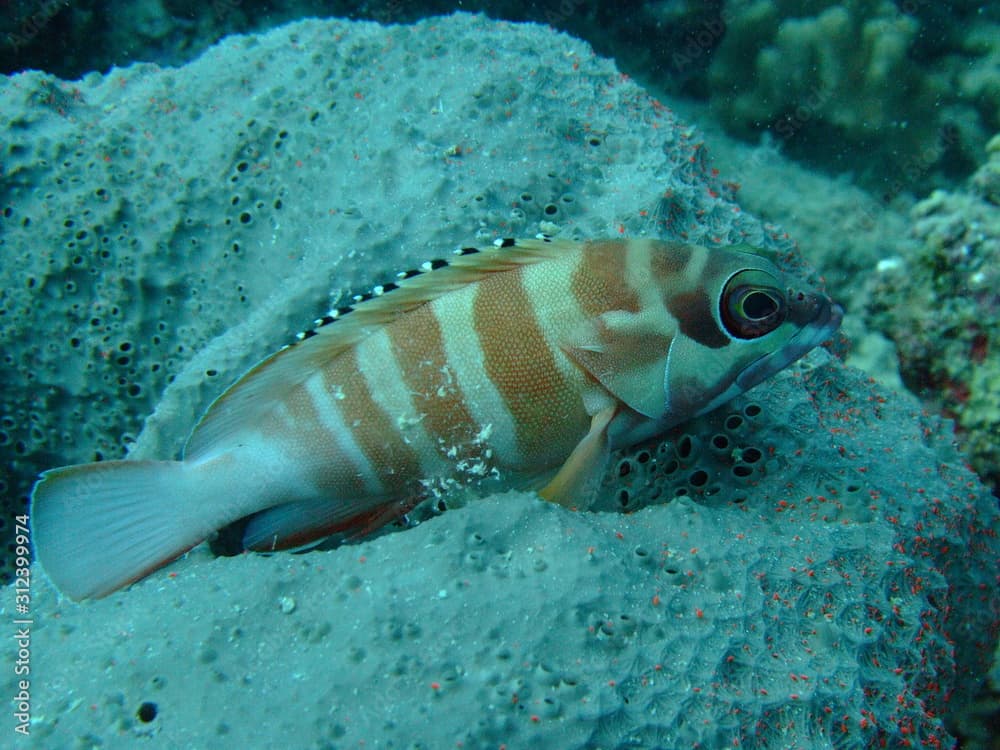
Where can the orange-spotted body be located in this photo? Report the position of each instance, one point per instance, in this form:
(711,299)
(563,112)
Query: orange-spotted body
(524,364)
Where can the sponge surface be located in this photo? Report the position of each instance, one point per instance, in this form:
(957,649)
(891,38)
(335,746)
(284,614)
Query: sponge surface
(841,596)
(811,566)
(150,212)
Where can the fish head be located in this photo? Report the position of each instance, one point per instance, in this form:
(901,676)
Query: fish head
(750,321)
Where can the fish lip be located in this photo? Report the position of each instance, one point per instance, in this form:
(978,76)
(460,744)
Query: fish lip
(823,326)
(825,323)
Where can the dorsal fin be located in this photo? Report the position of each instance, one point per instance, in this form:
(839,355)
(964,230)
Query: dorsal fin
(254,393)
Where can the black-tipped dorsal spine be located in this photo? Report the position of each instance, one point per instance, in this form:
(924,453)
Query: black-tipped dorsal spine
(378,291)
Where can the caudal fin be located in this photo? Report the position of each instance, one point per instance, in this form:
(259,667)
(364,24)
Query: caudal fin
(98,527)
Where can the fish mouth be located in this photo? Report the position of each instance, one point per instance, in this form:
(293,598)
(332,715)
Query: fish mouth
(827,320)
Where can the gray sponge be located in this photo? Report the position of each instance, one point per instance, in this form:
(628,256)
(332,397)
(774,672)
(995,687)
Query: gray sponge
(812,566)
(149,211)
(847,600)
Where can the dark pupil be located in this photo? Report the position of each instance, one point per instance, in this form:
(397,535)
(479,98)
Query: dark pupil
(758,305)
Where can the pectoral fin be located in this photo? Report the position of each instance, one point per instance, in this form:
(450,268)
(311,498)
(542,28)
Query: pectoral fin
(575,484)
(627,354)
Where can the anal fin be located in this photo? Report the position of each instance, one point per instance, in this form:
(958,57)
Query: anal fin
(299,525)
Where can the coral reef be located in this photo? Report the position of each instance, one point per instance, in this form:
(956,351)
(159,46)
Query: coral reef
(834,79)
(940,304)
(901,94)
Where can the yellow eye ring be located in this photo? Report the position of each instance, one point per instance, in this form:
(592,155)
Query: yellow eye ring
(751,310)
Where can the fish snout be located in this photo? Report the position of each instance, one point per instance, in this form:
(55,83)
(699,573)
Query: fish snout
(814,310)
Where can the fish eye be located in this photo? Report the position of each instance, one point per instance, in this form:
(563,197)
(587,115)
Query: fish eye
(751,309)
(758,304)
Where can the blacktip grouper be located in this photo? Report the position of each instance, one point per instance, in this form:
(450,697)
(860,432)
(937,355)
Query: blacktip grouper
(529,361)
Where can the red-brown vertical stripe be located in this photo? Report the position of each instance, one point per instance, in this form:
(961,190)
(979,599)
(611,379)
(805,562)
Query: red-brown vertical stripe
(342,475)
(417,343)
(395,463)
(600,281)
(667,259)
(546,409)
